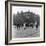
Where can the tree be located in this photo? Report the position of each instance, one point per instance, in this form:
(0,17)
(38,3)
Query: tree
(25,17)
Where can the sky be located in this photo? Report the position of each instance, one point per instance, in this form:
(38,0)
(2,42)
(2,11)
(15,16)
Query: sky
(36,10)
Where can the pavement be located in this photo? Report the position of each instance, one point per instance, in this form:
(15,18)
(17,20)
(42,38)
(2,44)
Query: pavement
(25,33)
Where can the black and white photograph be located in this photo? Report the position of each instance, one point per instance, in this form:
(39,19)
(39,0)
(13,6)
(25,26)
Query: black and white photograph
(25,22)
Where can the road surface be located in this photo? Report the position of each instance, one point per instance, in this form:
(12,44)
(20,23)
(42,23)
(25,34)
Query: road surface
(25,33)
